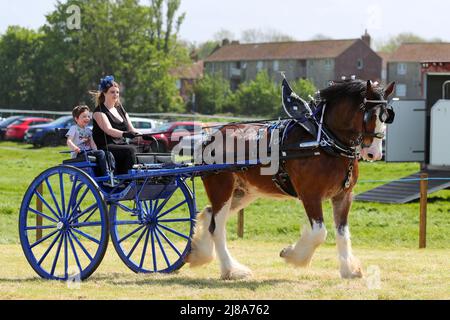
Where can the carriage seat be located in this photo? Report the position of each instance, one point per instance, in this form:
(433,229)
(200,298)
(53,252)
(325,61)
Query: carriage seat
(155,158)
(80,159)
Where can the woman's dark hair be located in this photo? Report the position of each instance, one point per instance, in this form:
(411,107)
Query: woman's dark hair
(79,110)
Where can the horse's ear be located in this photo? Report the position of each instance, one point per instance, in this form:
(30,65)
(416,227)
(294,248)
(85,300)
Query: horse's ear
(369,88)
(389,90)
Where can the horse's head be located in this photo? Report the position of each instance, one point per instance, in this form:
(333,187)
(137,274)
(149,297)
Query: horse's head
(377,113)
(358,114)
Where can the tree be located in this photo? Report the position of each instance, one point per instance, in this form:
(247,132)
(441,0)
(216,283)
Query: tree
(394,42)
(19,48)
(114,39)
(268,35)
(259,97)
(212,93)
(162,38)
(320,36)
(304,88)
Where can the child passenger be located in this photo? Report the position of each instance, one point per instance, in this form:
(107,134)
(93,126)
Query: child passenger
(79,139)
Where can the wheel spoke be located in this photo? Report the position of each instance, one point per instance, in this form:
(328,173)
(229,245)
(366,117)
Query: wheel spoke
(79,201)
(61,186)
(86,224)
(87,236)
(155,268)
(82,213)
(144,250)
(66,257)
(172,209)
(74,252)
(72,194)
(176,220)
(127,222)
(40,227)
(90,215)
(48,249)
(42,215)
(131,233)
(46,204)
(50,190)
(158,209)
(55,260)
(174,231)
(148,209)
(162,249)
(136,243)
(81,246)
(43,239)
(169,242)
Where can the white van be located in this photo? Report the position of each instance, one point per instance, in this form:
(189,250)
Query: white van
(145,125)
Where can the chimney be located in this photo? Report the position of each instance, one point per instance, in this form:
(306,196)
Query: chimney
(366,38)
(235,42)
(225,42)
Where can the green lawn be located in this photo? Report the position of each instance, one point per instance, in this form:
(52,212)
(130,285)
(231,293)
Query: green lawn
(371,224)
(384,237)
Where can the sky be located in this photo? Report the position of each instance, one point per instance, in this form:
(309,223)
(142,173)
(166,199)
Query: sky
(300,19)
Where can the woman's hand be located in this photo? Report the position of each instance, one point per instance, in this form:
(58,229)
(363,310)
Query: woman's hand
(130,135)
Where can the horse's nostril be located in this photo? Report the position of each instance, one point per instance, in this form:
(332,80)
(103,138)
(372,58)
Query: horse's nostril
(370,155)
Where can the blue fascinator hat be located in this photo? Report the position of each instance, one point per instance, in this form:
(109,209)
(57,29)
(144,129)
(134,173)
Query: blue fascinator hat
(106,83)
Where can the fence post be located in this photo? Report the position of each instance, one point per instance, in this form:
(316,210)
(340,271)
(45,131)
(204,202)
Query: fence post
(423,210)
(40,189)
(240,224)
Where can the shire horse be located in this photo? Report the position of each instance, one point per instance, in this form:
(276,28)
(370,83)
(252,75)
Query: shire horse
(354,114)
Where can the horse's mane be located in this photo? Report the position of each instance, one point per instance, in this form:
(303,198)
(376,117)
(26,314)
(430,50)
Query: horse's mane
(354,89)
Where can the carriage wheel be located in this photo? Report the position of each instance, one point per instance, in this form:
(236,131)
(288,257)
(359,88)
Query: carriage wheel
(154,235)
(70,241)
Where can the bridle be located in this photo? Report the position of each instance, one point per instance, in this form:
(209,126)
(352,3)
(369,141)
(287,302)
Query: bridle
(386,115)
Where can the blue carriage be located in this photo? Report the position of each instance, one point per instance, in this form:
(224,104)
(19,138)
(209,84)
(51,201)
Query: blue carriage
(69,212)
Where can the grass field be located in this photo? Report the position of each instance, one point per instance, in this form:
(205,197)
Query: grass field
(385,236)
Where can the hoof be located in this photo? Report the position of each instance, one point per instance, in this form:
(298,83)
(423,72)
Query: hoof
(237,273)
(351,268)
(285,252)
(298,259)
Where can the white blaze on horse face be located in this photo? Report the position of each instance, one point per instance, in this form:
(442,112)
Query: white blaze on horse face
(375,151)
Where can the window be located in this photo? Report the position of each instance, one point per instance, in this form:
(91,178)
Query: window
(276,65)
(360,64)
(259,65)
(178,84)
(401,69)
(327,64)
(400,90)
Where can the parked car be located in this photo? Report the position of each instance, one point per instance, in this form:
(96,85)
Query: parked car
(145,125)
(5,123)
(49,134)
(170,134)
(190,142)
(16,130)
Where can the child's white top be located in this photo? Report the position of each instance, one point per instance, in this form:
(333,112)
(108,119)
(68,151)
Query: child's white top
(81,137)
